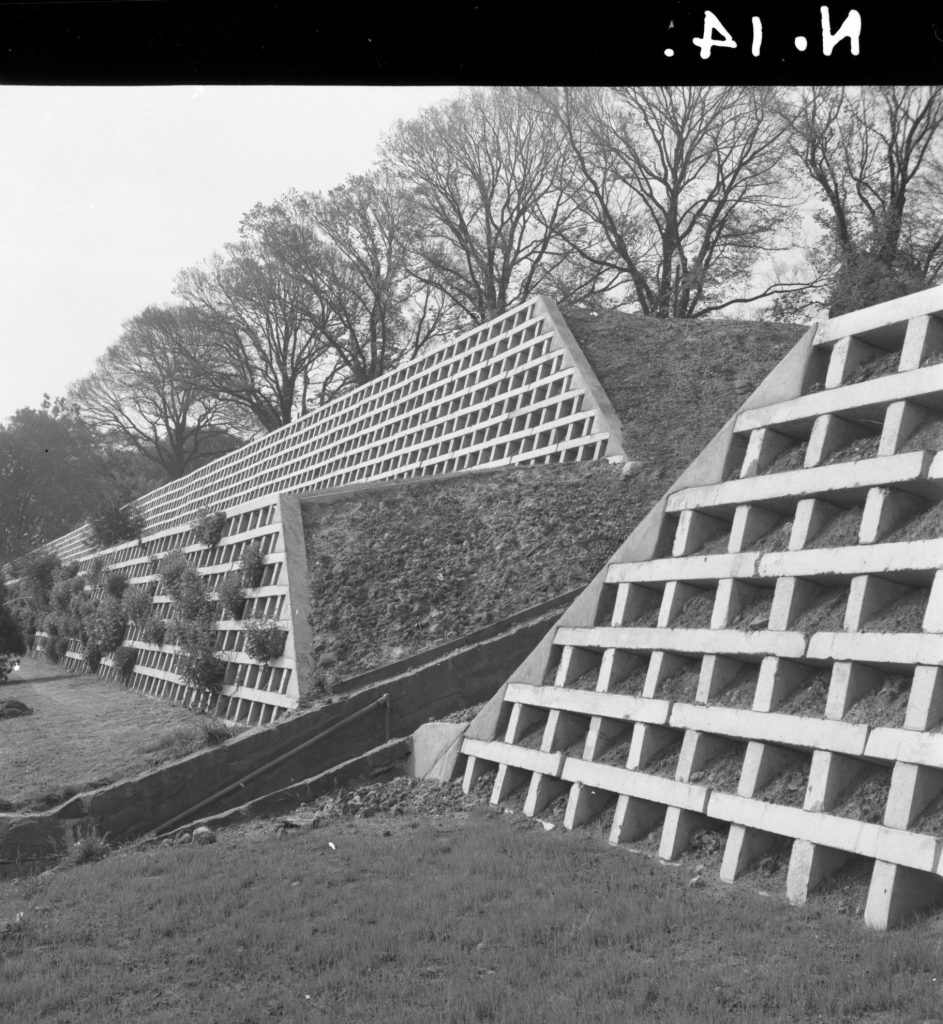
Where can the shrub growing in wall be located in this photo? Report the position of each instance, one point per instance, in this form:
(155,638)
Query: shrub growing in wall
(116,584)
(108,625)
(155,630)
(264,639)
(137,604)
(208,526)
(93,574)
(93,655)
(170,569)
(124,660)
(251,565)
(114,523)
(230,595)
(199,664)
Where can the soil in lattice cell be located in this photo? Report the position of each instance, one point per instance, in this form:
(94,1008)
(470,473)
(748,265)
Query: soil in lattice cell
(665,763)
(770,869)
(776,539)
(618,753)
(717,545)
(647,620)
(788,459)
(879,366)
(514,804)
(885,707)
(930,822)
(867,800)
(788,788)
(927,437)
(927,525)
(632,683)
(755,615)
(741,690)
(905,615)
(587,681)
(695,613)
(681,686)
(810,700)
(826,613)
(573,749)
(555,811)
(533,737)
(846,891)
(932,358)
(840,531)
(724,771)
(706,849)
(861,448)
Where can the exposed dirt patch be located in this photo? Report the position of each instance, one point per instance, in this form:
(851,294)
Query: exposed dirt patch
(630,684)
(681,686)
(902,616)
(810,700)
(930,821)
(717,545)
(617,754)
(862,448)
(724,771)
(776,539)
(826,613)
(925,526)
(840,531)
(878,366)
(587,681)
(788,788)
(755,614)
(647,620)
(665,763)
(695,613)
(885,707)
(788,459)
(927,437)
(741,690)
(866,802)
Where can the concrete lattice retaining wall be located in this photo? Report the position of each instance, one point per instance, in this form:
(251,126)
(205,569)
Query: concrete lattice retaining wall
(778,616)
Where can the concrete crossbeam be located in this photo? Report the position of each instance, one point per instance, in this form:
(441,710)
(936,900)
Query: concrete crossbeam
(514,756)
(621,706)
(885,744)
(881,319)
(627,782)
(907,648)
(687,641)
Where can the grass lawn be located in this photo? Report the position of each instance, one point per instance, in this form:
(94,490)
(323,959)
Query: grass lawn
(89,732)
(464,916)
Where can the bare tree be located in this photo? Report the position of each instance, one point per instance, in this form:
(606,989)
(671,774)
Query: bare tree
(351,249)
(684,189)
(485,171)
(874,155)
(143,397)
(265,324)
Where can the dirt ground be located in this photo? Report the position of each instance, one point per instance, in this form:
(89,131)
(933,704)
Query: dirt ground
(90,732)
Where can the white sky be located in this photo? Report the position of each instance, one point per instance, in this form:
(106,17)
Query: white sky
(106,193)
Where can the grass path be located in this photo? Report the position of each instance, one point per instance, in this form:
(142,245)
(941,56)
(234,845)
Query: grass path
(83,732)
(462,917)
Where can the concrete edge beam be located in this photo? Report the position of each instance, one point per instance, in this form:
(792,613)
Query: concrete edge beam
(588,702)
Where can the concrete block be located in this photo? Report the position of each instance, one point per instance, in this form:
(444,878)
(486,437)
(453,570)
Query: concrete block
(676,596)
(778,679)
(897,894)
(435,751)
(475,768)
(541,791)
(913,788)
(791,597)
(846,355)
(574,662)
(507,780)
(615,666)
(762,448)
(829,433)
(750,522)
(586,803)
(925,706)
(697,748)
(884,509)
(744,847)
(831,776)
(602,734)
(762,763)
(634,818)
(679,828)
(694,530)
(900,422)
(647,742)
(732,597)
(849,683)
(716,674)
(933,616)
(522,718)
(562,729)
(632,601)
(809,865)
(662,665)
(923,338)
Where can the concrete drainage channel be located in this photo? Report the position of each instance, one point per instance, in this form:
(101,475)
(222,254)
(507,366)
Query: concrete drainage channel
(364,734)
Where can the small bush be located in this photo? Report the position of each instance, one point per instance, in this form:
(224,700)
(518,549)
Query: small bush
(89,848)
(191,601)
(108,625)
(93,655)
(93,574)
(251,565)
(114,523)
(230,595)
(124,660)
(265,639)
(116,584)
(170,569)
(155,630)
(137,603)
(200,666)
(56,648)
(208,526)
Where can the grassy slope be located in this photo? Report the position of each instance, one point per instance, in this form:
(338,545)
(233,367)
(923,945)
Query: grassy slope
(423,565)
(328,925)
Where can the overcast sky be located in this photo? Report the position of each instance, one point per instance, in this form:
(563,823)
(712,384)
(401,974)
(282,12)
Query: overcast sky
(105,193)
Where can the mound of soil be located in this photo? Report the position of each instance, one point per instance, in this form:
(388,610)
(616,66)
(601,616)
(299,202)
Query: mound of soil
(13,708)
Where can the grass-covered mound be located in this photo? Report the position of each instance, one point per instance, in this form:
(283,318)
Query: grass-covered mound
(674,383)
(400,569)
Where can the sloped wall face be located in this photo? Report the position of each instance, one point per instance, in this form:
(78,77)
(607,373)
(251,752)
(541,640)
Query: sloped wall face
(516,390)
(759,669)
